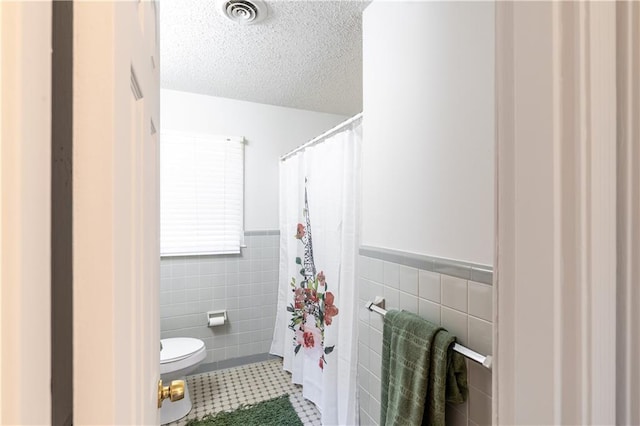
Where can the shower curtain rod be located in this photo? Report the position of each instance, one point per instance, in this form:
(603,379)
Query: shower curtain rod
(486,361)
(322,136)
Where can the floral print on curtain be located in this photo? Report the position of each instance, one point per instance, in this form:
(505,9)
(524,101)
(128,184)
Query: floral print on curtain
(313,308)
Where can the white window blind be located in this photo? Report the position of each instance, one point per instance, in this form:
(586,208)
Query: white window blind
(201,194)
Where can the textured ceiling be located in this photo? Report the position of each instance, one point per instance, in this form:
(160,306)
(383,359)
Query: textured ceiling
(306,54)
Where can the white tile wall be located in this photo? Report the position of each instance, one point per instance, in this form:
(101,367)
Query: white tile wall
(245,285)
(461,306)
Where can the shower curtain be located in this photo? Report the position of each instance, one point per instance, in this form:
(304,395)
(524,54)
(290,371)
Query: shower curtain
(317,316)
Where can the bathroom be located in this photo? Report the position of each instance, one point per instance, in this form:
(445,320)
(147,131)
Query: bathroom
(497,196)
(432,257)
(79,265)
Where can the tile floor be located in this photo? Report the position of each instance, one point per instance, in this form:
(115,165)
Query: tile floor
(225,390)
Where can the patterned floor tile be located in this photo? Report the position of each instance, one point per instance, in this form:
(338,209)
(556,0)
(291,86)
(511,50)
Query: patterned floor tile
(226,390)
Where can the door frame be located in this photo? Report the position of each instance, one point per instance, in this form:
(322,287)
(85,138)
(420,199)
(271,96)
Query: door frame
(558,69)
(628,209)
(25,212)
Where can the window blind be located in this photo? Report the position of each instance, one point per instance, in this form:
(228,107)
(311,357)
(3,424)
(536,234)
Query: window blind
(201,194)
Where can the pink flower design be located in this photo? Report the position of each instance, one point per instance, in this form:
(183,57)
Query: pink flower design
(312,295)
(312,338)
(312,310)
(309,341)
(299,298)
(300,231)
(329,298)
(330,310)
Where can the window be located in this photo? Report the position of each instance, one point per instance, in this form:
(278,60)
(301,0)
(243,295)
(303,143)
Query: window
(201,194)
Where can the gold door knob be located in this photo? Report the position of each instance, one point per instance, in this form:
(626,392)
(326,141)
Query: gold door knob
(175,391)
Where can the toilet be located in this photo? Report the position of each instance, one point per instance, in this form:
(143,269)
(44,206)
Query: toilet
(179,356)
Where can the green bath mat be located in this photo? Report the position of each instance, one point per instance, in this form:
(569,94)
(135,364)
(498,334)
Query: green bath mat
(274,412)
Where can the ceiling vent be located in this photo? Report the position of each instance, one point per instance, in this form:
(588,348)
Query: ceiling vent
(245,12)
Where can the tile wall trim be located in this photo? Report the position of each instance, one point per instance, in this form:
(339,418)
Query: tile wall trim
(267,232)
(456,268)
(235,362)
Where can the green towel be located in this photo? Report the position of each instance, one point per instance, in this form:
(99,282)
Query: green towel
(449,382)
(420,371)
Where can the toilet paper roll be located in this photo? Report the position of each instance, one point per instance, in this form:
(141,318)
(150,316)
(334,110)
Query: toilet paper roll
(215,321)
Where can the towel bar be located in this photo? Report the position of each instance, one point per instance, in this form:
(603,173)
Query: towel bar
(472,355)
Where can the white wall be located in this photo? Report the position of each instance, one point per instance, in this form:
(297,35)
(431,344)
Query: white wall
(270,131)
(428,169)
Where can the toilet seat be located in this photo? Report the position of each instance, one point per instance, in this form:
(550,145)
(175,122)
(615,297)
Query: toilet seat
(177,348)
(180,352)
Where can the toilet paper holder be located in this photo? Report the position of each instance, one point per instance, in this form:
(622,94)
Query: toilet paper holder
(216,318)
